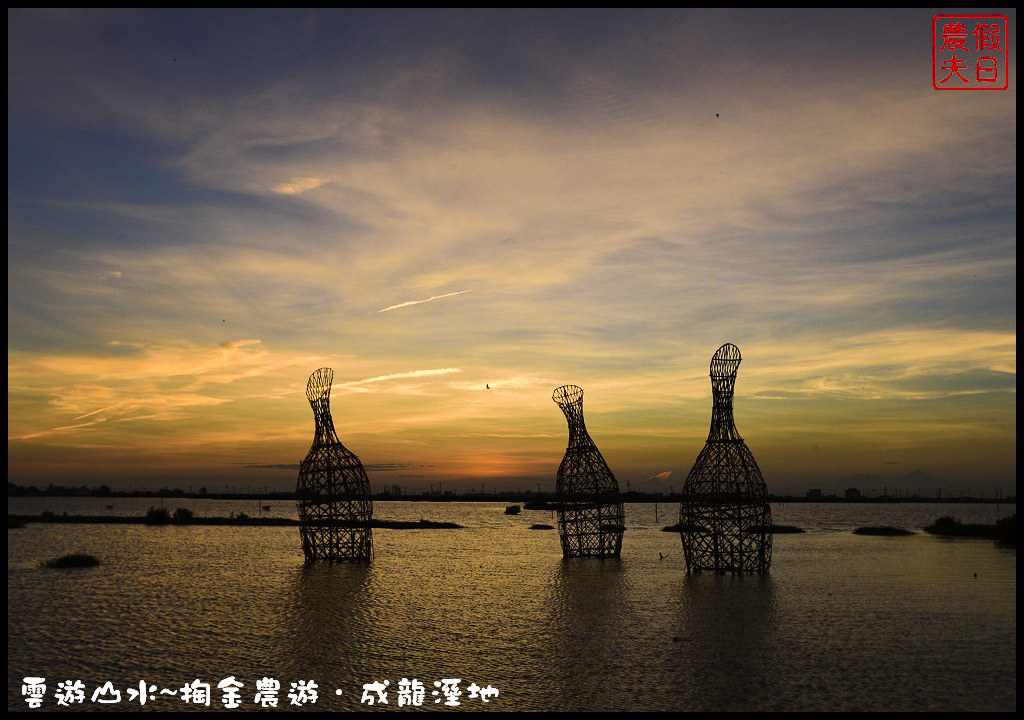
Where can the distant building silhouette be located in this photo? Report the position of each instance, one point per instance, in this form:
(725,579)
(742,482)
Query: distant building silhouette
(590,513)
(851,493)
(333,491)
(814,493)
(724,517)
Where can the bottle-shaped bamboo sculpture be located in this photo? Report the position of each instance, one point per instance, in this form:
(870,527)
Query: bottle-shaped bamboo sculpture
(590,515)
(724,518)
(333,491)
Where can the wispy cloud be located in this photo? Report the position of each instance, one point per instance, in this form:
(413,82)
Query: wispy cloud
(299,185)
(397,376)
(420,302)
(53,431)
(156,382)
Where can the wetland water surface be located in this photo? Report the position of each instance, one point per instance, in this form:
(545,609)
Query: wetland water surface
(842,622)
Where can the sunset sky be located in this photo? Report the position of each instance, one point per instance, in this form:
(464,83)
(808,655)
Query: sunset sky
(207,206)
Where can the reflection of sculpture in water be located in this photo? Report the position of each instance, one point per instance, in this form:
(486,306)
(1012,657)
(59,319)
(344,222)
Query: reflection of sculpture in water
(739,620)
(333,490)
(724,517)
(590,515)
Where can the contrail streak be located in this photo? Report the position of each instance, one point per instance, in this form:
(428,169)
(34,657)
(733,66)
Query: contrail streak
(396,376)
(418,302)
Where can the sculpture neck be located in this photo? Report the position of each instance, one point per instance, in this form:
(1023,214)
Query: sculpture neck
(325,433)
(723,425)
(578,435)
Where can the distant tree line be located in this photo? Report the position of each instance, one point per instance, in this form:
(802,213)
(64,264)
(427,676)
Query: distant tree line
(532,497)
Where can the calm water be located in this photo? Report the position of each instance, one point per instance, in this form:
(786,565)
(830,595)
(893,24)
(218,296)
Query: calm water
(843,622)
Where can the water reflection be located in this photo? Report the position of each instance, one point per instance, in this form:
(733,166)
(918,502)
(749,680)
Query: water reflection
(326,627)
(589,620)
(726,640)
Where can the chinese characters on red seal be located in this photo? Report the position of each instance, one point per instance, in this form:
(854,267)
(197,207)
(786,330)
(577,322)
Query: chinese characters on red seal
(970,52)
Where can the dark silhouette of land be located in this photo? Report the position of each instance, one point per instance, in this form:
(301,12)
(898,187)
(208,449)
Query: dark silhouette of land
(887,530)
(71,561)
(531,499)
(1004,530)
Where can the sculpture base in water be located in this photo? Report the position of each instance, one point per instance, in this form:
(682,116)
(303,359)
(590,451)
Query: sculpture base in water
(726,535)
(590,529)
(724,516)
(324,543)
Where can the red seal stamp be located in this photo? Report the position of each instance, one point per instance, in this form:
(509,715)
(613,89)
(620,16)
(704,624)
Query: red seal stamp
(970,52)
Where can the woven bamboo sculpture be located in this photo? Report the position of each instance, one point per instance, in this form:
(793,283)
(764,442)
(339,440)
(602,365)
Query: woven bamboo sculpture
(333,491)
(724,518)
(590,515)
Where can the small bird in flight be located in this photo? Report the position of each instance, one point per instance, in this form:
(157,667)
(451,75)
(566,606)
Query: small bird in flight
(488,386)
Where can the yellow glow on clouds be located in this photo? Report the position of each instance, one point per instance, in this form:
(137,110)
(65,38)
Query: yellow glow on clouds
(299,185)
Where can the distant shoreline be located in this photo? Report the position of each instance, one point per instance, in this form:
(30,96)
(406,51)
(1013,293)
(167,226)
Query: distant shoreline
(20,520)
(537,500)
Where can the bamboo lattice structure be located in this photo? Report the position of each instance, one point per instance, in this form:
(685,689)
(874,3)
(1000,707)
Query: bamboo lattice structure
(590,515)
(333,491)
(724,518)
